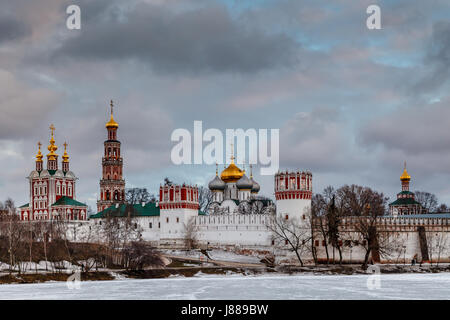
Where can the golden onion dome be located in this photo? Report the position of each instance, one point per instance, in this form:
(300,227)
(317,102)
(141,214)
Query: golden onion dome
(232,173)
(65,156)
(405,176)
(52,147)
(39,155)
(111,123)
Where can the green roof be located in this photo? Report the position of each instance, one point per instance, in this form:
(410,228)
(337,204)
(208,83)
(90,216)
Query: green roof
(405,192)
(404,201)
(51,172)
(66,201)
(135,210)
(25,206)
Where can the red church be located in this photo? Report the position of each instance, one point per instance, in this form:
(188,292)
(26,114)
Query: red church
(52,190)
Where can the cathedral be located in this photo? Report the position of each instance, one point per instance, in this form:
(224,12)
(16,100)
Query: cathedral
(234,192)
(52,190)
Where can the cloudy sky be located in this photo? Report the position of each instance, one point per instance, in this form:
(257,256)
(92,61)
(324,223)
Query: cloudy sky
(351,104)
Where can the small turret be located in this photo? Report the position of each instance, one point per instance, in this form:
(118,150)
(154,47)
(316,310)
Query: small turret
(65,157)
(52,157)
(39,156)
(405,178)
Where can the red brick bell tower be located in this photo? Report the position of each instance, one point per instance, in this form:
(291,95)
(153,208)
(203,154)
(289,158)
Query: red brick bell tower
(112,184)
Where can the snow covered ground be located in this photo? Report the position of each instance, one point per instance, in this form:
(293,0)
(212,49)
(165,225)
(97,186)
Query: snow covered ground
(392,286)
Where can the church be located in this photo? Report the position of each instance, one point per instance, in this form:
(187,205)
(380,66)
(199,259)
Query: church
(406,203)
(52,190)
(234,192)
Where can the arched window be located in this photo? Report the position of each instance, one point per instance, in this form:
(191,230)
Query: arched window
(116,195)
(108,195)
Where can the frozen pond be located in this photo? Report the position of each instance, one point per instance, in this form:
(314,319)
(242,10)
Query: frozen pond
(391,286)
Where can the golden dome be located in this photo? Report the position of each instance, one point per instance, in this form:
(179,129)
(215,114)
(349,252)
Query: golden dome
(65,156)
(232,173)
(52,147)
(39,155)
(405,176)
(112,123)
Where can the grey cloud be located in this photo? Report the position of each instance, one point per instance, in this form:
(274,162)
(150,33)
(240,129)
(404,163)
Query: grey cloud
(437,59)
(205,39)
(413,130)
(12,28)
(23,107)
(317,141)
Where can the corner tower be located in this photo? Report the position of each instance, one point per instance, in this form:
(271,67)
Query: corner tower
(112,184)
(293,192)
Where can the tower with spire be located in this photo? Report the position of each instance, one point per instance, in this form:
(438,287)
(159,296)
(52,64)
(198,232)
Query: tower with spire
(52,191)
(112,184)
(406,203)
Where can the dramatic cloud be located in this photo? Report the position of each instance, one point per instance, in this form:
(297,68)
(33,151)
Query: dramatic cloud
(205,39)
(316,140)
(23,108)
(12,29)
(414,130)
(437,58)
(351,103)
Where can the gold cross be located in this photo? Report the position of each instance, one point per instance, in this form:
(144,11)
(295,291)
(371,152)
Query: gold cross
(52,127)
(65,145)
(39,144)
(112,106)
(232,151)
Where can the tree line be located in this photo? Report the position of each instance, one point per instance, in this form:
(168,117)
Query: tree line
(60,244)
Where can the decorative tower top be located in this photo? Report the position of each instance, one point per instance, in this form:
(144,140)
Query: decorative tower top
(405,176)
(52,147)
(232,173)
(65,156)
(112,123)
(39,155)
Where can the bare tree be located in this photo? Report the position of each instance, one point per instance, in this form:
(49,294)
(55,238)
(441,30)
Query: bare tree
(442,208)
(13,230)
(138,196)
(139,255)
(333,227)
(118,230)
(427,200)
(205,198)
(436,242)
(319,210)
(365,206)
(262,205)
(167,181)
(291,233)
(190,234)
